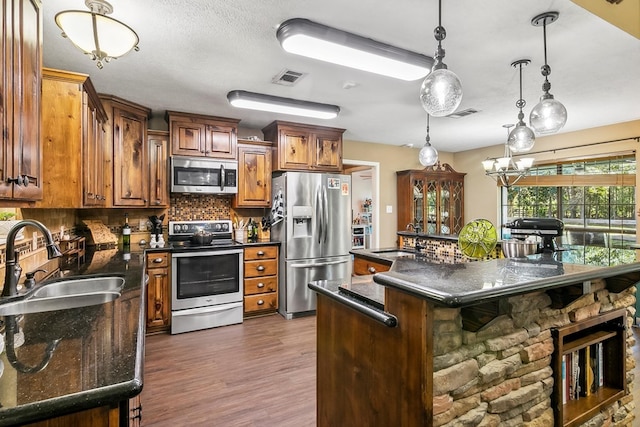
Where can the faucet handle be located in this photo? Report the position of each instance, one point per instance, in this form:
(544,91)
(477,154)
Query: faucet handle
(30,280)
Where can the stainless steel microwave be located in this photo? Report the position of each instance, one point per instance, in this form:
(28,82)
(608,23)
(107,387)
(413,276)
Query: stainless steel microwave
(200,175)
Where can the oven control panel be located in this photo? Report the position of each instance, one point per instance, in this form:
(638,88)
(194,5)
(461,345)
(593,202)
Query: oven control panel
(188,228)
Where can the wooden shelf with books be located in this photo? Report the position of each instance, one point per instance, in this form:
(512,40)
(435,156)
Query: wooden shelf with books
(589,367)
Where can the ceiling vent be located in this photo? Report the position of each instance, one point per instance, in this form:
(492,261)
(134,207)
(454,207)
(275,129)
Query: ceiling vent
(463,113)
(287,77)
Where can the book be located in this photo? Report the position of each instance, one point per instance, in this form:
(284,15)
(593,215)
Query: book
(565,380)
(575,380)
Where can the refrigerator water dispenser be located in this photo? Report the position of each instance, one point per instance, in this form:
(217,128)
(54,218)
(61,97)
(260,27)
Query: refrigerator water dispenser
(301,221)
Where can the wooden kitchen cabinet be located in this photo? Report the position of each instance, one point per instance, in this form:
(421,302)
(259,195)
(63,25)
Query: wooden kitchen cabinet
(197,135)
(254,175)
(158,292)
(305,147)
(364,266)
(128,137)
(260,280)
(158,142)
(21,62)
(431,198)
(73,128)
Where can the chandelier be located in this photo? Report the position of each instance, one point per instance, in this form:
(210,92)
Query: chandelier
(504,169)
(98,36)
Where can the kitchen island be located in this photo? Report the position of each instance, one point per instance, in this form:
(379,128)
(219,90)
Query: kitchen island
(80,359)
(433,343)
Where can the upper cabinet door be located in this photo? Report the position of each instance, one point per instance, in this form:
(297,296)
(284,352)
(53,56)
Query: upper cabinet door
(21,60)
(328,152)
(188,139)
(254,176)
(158,168)
(130,174)
(294,149)
(221,142)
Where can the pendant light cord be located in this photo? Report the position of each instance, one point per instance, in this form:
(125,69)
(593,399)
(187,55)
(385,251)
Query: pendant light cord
(440,23)
(428,138)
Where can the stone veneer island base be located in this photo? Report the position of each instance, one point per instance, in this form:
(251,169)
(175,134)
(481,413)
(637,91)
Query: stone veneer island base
(403,360)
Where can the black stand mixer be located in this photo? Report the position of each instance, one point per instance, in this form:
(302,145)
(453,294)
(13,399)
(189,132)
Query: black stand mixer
(546,228)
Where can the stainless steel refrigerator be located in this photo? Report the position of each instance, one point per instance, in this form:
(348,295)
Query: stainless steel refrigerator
(312,220)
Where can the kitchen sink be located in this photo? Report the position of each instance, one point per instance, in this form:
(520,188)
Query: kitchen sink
(66,294)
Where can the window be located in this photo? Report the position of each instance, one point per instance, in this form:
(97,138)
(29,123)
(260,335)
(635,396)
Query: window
(595,199)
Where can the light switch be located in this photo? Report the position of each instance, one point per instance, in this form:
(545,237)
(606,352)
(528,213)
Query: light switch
(389,209)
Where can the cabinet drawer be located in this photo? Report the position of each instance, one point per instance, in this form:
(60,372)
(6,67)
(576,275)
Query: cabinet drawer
(261,302)
(363,267)
(260,285)
(267,267)
(157,260)
(260,252)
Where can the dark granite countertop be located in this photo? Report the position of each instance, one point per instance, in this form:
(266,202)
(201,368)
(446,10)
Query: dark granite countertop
(469,283)
(258,243)
(98,359)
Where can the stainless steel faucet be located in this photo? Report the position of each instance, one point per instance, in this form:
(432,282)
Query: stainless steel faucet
(12,268)
(416,227)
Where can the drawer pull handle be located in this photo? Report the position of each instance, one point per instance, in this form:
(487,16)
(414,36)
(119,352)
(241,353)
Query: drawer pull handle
(158,260)
(372,270)
(261,285)
(260,253)
(260,302)
(260,268)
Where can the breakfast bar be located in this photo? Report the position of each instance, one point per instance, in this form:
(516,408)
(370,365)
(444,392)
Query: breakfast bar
(433,343)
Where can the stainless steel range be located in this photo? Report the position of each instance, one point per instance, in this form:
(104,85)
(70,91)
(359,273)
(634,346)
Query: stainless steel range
(206,275)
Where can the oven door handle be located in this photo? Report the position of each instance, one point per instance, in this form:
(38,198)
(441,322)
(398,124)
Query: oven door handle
(205,310)
(318,264)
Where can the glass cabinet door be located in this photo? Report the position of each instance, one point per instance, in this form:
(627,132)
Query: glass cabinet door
(418,203)
(432,208)
(445,207)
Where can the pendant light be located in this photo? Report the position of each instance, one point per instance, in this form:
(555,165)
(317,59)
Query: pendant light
(521,138)
(549,115)
(428,154)
(98,36)
(441,90)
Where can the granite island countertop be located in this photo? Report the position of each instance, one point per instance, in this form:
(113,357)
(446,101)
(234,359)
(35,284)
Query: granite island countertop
(98,359)
(468,283)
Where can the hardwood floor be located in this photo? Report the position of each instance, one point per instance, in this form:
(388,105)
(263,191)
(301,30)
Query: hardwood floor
(261,373)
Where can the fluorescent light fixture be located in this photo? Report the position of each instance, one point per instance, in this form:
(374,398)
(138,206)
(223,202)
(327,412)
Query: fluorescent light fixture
(276,104)
(308,38)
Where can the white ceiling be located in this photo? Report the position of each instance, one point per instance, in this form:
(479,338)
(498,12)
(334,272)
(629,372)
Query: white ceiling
(193,52)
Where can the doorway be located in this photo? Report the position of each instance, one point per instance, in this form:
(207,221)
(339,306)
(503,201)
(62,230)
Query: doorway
(365,196)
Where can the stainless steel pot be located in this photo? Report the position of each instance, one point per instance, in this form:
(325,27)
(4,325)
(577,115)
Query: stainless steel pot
(202,238)
(514,248)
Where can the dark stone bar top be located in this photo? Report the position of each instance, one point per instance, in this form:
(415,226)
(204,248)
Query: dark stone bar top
(470,283)
(98,358)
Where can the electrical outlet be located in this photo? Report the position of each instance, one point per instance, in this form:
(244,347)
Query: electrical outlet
(389,209)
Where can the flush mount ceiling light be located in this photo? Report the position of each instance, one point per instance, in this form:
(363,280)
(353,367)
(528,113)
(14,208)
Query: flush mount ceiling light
(549,115)
(428,155)
(307,38)
(441,91)
(521,138)
(504,169)
(97,35)
(276,104)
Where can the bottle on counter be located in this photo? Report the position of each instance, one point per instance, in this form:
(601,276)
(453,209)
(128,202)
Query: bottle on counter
(249,231)
(126,234)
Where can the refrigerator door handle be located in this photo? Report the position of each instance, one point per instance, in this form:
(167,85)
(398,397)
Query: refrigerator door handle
(325,213)
(318,264)
(222,177)
(319,213)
